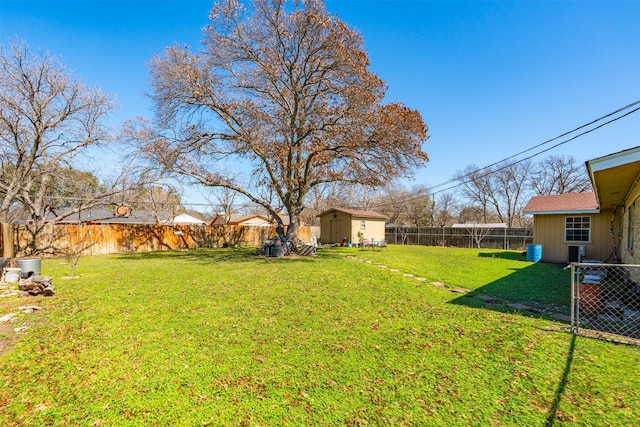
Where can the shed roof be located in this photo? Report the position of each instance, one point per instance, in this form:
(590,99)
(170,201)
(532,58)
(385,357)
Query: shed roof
(355,212)
(569,203)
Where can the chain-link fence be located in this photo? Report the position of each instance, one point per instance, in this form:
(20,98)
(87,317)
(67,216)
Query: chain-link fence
(606,300)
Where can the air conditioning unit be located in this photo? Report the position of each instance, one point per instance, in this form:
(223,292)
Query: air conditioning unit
(577,253)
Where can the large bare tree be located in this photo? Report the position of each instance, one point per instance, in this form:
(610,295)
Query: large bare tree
(501,189)
(47,117)
(283,89)
(559,174)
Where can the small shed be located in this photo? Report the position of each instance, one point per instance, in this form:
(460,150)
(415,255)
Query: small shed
(338,224)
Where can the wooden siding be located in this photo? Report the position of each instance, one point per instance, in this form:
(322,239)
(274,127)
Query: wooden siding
(374,229)
(548,231)
(93,239)
(344,226)
(333,230)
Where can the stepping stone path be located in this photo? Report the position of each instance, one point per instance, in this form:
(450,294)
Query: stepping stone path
(485,298)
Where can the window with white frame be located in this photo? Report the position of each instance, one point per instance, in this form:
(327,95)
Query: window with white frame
(577,229)
(363,224)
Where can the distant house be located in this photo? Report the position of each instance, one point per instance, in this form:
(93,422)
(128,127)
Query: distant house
(184,219)
(338,224)
(118,215)
(571,226)
(121,214)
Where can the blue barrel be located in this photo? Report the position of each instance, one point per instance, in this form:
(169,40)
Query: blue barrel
(534,253)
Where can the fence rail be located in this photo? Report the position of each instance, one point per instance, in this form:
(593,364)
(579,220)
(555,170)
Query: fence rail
(605,301)
(496,238)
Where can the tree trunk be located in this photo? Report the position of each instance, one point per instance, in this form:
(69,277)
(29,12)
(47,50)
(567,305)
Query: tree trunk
(292,230)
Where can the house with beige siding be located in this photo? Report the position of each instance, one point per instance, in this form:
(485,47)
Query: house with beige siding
(602,225)
(571,226)
(337,225)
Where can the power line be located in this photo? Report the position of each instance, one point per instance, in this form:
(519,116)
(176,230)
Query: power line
(459,181)
(538,153)
(548,141)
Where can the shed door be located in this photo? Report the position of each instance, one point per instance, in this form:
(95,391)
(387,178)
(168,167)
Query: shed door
(334,230)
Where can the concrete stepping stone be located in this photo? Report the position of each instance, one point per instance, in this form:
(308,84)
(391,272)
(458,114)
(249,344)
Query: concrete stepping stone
(561,317)
(520,306)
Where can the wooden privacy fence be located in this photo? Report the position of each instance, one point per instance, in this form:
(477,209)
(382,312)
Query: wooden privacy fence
(497,238)
(94,239)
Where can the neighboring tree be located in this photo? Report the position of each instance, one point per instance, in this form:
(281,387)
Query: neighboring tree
(163,201)
(478,232)
(501,189)
(476,187)
(419,207)
(223,202)
(476,214)
(445,210)
(71,186)
(559,175)
(404,206)
(47,118)
(510,191)
(283,87)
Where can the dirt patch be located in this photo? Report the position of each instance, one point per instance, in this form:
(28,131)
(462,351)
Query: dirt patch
(7,336)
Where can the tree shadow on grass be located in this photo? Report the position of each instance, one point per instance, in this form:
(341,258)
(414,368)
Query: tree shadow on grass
(510,255)
(553,411)
(544,287)
(535,290)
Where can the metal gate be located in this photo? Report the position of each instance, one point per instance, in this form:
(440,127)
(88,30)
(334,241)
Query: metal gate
(605,301)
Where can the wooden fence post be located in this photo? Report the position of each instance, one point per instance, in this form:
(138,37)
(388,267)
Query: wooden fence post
(7,236)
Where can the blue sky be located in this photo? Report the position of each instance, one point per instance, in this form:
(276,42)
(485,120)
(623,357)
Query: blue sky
(490,78)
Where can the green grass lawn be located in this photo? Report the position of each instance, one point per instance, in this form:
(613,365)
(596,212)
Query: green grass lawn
(222,337)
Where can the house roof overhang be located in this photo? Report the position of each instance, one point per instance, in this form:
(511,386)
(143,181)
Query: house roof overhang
(614,176)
